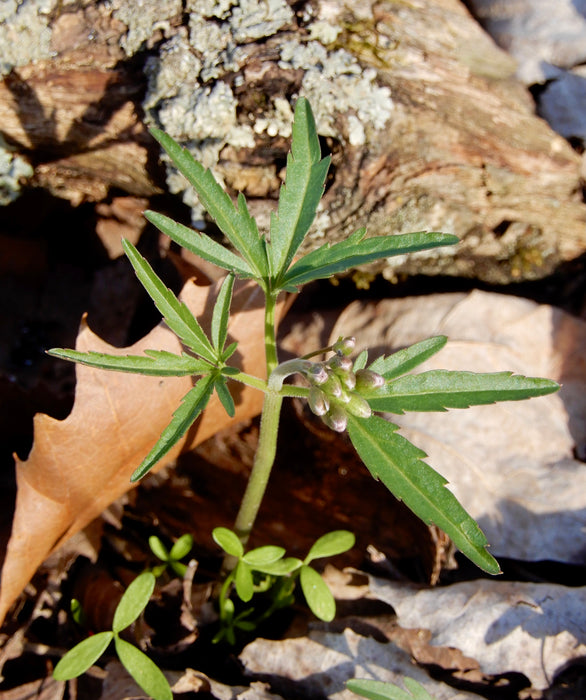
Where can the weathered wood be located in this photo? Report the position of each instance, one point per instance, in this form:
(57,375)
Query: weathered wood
(427,127)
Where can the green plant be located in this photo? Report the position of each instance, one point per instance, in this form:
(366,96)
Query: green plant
(344,393)
(379,690)
(146,674)
(171,558)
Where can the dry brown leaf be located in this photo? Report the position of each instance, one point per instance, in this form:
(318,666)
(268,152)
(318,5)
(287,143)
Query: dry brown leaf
(511,464)
(80,465)
(530,628)
(320,664)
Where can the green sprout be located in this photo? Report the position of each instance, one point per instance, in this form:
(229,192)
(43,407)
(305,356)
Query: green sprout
(379,690)
(85,654)
(171,558)
(345,394)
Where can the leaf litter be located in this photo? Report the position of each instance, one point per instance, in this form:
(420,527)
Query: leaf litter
(522,454)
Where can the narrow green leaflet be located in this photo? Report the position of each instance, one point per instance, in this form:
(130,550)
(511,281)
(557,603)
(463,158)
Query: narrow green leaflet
(221,314)
(330,544)
(224,395)
(234,221)
(301,193)
(440,389)
(191,406)
(146,673)
(200,244)
(157,363)
(399,465)
(228,541)
(82,656)
(405,360)
(379,690)
(264,556)
(177,316)
(243,581)
(330,259)
(134,601)
(317,594)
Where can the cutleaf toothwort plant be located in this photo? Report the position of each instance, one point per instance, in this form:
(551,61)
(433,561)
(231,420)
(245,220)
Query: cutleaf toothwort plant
(345,393)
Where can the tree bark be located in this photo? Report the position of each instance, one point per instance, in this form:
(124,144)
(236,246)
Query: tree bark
(427,127)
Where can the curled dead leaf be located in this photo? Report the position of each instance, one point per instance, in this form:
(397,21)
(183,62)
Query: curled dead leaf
(78,466)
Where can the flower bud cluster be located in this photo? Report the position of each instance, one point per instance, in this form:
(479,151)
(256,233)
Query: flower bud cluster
(335,387)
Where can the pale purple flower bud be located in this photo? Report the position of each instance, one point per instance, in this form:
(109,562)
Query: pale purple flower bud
(332,385)
(317,374)
(358,407)
(336,419)
(349,381)
(344,346)
(367,379)
(340,365)
(318,401)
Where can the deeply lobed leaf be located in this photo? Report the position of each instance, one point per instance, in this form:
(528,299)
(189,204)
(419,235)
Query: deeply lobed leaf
(328,260)
(235,222)
(201,245)
(406,359)
(191,406)
(301,193)
(400,466)
(177,316)
(157,363)
(438,390)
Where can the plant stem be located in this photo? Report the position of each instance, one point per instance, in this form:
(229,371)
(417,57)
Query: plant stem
(270,333)
(261,469)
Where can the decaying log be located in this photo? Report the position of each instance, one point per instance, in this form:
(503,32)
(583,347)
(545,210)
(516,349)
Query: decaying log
(427,128)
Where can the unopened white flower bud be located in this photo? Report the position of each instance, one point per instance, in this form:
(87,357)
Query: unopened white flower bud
(317,374)
(336,419)
(358,407)
(367,379)
(318,401)
(344,346)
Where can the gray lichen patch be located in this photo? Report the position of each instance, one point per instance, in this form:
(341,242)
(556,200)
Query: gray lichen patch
(143,18)
(25,35)
(195,82)
(13,170)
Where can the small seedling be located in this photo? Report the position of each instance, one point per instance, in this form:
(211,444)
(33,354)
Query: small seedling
(172,558)
(345,394)
(85,654)
(379,690)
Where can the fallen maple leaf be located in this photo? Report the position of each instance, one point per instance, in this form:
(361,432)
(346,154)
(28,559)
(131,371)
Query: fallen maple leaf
(80,465)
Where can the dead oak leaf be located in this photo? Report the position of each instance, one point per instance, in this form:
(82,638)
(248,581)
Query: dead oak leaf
(80,465)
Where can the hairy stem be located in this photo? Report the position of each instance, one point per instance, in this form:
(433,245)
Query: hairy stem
(270,333)
(261,469)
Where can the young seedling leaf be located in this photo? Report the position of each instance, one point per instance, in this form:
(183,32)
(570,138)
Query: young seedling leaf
(182,547)
(439,390)
(191,406)
(158,548)
(134,601)
(405,360)
(330,544)
(400,466)
(243,581)
(146,674)
(157,363)
(379,690)
(234,221)
(228,541)
(317,594)
(221,314)
(177,316)
(225,396)
(301,193)
(263,556)
(83,656)
(328,260)
(201,245)
(282,567)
